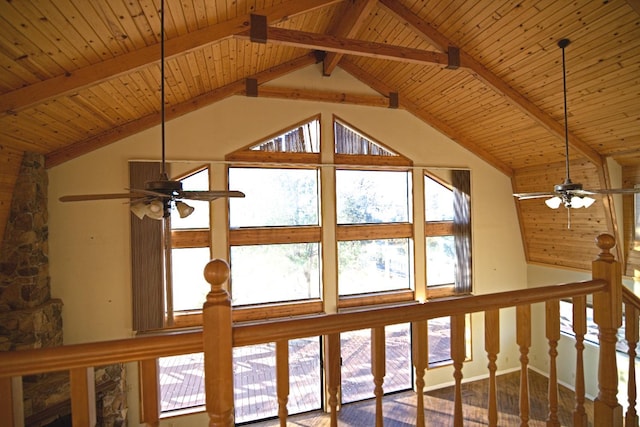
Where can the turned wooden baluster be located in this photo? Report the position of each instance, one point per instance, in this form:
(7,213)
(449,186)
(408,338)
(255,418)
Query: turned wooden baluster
(83,397)
(631,335)
(218,346)
(282,379)
(332,374)
(458,347)
(492,347)
(149,392)
(378,369)
(552,309)
(607,313)
(523,339)
(579,329)
(11,406)
(419,338)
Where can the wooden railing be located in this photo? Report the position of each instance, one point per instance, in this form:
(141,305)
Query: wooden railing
(220,335)
(631,316)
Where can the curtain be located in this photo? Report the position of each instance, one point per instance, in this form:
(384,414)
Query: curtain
(147,257)
(462,228)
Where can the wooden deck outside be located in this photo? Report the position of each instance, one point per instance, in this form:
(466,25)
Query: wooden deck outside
(182,377)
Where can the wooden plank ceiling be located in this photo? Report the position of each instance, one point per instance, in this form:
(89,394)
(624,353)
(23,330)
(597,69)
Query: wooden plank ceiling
(78,74)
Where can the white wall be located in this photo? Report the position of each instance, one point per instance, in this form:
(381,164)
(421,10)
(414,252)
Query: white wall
(89,241)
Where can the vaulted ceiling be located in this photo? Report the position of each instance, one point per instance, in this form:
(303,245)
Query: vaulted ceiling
(76,75)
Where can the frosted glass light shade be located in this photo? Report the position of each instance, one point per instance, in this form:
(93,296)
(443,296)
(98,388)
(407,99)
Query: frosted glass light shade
(554,202)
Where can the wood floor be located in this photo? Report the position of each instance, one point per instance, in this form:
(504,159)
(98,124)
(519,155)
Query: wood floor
(400,409)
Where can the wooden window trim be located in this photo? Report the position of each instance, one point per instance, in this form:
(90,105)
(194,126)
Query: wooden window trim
(277,158)
(190,238)
(274,310)
(438,228)
(364,160)
(374,231)
(274,235)
(440,291)
(390,297)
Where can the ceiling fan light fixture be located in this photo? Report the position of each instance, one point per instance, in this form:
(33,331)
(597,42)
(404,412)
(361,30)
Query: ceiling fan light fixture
(184,210)
(576,202)
(588,201)
(554,202)
(139,209)
(155,209)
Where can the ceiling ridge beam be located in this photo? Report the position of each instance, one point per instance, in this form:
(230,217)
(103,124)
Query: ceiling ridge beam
(406,103)
(487,77)
(326,42)
(348,26)
(131,128)
(28,96)
(320,96)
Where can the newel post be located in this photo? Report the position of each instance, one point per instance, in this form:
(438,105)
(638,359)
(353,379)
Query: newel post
(607,313)
(218,346)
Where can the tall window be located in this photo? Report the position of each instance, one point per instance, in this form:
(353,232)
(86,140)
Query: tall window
(448,252)
(190,247)
(275,230)
(447,232)
(373,211)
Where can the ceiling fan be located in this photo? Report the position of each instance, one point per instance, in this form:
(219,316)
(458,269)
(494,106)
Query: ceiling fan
(158,197)
(570,194)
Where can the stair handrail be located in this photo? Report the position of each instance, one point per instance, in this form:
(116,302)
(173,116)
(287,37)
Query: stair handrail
(33,361)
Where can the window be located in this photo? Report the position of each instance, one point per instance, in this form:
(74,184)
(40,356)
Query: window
(373,211)
(447,232)
(439,340)
(448,251)
(187,289)
(275,230)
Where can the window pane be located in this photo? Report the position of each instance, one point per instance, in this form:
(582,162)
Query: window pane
(373,266)
(355,350)
(274,197)
(189,287)
(441,260)
(438,201)
(199,218)
(372,197)
(254,375)
(303,139)
(275,273)
(439,338)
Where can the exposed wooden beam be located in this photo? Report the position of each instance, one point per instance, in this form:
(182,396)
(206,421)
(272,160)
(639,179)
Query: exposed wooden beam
(322,96)
(406,103)
(490,79)
(635,4)
(115,134)
(330,43)
(348,26)
(28,96)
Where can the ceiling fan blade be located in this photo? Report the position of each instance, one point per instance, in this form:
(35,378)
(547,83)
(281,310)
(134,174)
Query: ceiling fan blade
(208,195)
(613,191)
(525,196)
(85,197)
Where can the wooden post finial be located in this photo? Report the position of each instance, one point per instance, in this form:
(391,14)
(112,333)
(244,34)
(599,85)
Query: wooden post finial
(605,242)
(216,272)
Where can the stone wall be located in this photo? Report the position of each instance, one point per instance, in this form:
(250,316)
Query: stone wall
(30,318)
